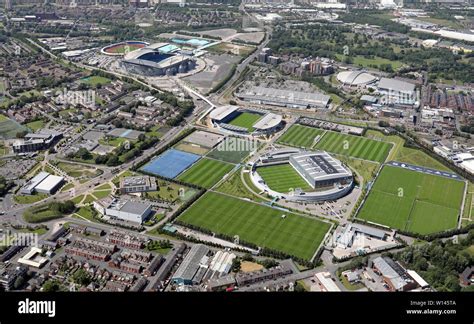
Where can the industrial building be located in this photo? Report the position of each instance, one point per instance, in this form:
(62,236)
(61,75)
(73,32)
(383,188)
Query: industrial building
(284,98)
(193,267)
(157,60)
(325,281)
(393,274)
(346,238)
(397,92)
(130,210)
(43,182)
(137,184)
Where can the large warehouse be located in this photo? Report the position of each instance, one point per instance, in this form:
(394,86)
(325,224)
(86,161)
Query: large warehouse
(395,91)
(284,98)
(355,78)
(157,60)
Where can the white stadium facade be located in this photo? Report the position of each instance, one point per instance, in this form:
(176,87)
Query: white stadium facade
(327,176)
(355,78)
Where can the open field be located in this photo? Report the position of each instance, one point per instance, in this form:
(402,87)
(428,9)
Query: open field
(413,201)
(232,150)
(170,191)
(300,136)
(206,172)
(76,170)
(282,178)
(95,80)
(254,223)
(191,148)
(405,154)
(235,187)
(355,146)
(35,125)
(245,120)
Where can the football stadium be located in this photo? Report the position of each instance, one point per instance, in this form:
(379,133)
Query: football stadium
(245,121)
(298,175)
(158,60)
(122,48)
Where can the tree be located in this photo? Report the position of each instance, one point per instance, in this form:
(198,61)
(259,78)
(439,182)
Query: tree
(236,264)
(51,286)
(81,277)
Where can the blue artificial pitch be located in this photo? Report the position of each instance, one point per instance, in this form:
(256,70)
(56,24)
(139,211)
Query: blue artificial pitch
(171,163)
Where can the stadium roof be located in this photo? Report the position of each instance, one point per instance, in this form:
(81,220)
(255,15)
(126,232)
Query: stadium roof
(320,165)
(220,113)
(396,85)
(133,55)
(270,120)
(355,77)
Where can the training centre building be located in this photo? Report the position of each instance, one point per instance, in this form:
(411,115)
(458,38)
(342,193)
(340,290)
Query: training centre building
(328,178)
(268,123)
(158,60)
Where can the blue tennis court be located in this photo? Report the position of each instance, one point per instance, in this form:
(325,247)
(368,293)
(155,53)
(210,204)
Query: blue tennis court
(171,163)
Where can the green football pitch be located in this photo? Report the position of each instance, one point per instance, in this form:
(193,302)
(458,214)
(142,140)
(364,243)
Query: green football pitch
(246,120)
(233,149)
(413,201)
(206,172)
(300,136)
(354,146)
(282,178)
(264,226)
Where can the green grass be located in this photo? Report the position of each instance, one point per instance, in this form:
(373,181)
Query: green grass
(300,136)
(206,172)
(89,199)
(232,150)
(170,191)
(77,170)
(370,62)
(77,199)
(354,146)
(282,178)
(113,141)
(295,235)
(29,199)
(95,80)
(99,194)
(235,187)
(246,120)
(105,186)
(366,169)
(35,125)
(405,154)
(67,187)
(88,213)
(413,201)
